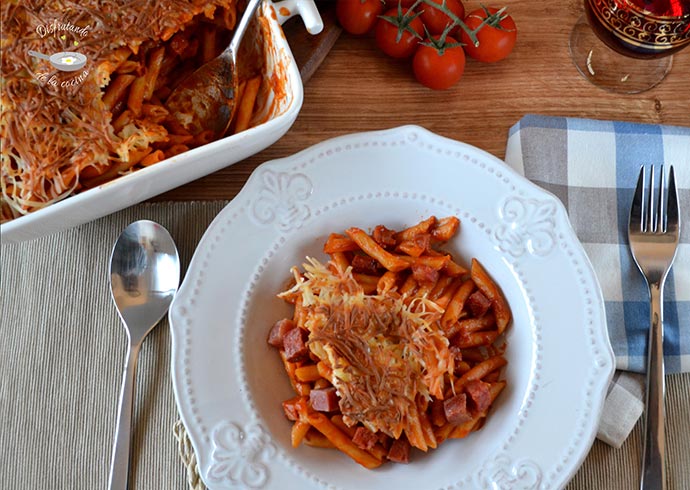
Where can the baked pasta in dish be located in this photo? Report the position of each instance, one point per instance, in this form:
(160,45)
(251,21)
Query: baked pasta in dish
(67,131)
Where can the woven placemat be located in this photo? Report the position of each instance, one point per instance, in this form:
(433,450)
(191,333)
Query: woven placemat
(604,468)
(62,354)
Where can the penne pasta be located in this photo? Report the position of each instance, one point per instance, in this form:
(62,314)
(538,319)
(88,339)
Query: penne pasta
(176,150)
(208,45)
(456,304)
(487,286)
(153,71)
(154,112)
(122,120)
(316,439)
(346,329)
(135,99)
(299,431)
(229,16)
(245,105)
(117,90)
(339,243)
(341,441)
(367,244)
(154,157)
(204,137)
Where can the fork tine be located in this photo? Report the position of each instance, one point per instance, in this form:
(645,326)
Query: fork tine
(672,206)
(637,218)
(651,209)
(661,204)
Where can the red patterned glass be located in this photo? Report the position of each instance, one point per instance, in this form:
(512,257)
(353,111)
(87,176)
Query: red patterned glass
(639,35)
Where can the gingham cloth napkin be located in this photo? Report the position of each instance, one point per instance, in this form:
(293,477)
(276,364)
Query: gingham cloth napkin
(592,167)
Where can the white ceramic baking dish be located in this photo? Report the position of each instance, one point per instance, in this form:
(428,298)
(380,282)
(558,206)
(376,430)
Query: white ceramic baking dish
(145,183)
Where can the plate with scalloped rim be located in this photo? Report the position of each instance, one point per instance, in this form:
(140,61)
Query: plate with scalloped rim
(229,384)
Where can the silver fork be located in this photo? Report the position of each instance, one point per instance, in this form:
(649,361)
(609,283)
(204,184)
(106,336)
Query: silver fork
(653,232)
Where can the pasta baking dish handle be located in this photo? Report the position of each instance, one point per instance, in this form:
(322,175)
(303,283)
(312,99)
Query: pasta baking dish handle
(306,9)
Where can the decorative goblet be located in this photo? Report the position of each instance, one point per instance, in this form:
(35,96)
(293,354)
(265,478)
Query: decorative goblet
(625,46)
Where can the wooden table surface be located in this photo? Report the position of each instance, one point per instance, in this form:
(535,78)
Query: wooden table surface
(357,88)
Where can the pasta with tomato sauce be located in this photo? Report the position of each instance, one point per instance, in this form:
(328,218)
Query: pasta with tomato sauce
(392,345)
(65,132)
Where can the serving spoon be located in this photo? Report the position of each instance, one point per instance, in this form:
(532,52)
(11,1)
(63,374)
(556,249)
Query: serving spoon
(144,277)
(206,98)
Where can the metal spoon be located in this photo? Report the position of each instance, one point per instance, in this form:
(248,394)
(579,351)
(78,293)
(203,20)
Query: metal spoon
(144,276)
(206,99)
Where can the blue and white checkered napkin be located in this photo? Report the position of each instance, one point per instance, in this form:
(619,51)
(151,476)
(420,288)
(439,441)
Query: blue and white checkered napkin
(592,167)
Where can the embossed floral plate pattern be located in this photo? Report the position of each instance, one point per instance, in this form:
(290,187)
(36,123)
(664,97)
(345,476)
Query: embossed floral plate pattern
(229,383)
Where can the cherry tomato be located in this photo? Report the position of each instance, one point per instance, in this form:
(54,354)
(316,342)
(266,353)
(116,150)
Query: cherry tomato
(436,21)
(394,34)
(496,38)
(436,68)
(358,16)
(403,3)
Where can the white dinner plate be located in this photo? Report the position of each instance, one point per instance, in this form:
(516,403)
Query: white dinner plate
(229,383)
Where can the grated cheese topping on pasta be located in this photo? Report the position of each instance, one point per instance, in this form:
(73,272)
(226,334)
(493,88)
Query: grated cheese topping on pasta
(55,136)
(385,354)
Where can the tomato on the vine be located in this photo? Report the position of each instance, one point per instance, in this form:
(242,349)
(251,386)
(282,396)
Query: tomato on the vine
(402,3)
(358,16)
(398,32)
(439,64)
(496,37)
(435,20)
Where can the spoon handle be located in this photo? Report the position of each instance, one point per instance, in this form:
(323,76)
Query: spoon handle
(241,28)
(119,468)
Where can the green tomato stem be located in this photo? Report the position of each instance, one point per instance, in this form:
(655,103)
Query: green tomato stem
(402,21)
(457,21)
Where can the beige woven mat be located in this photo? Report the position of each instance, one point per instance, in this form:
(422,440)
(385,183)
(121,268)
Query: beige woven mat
(62,352)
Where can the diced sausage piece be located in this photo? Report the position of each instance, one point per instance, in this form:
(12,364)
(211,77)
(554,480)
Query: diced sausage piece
(295,348)
(383,236)
(424,273)
(459,364)
(384,439)
(399,451)
(365,264)
(455,409)
(480,394)
(478,303)
(437,414)
(290,408)
(324,400)
(364,438)
(277,333)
